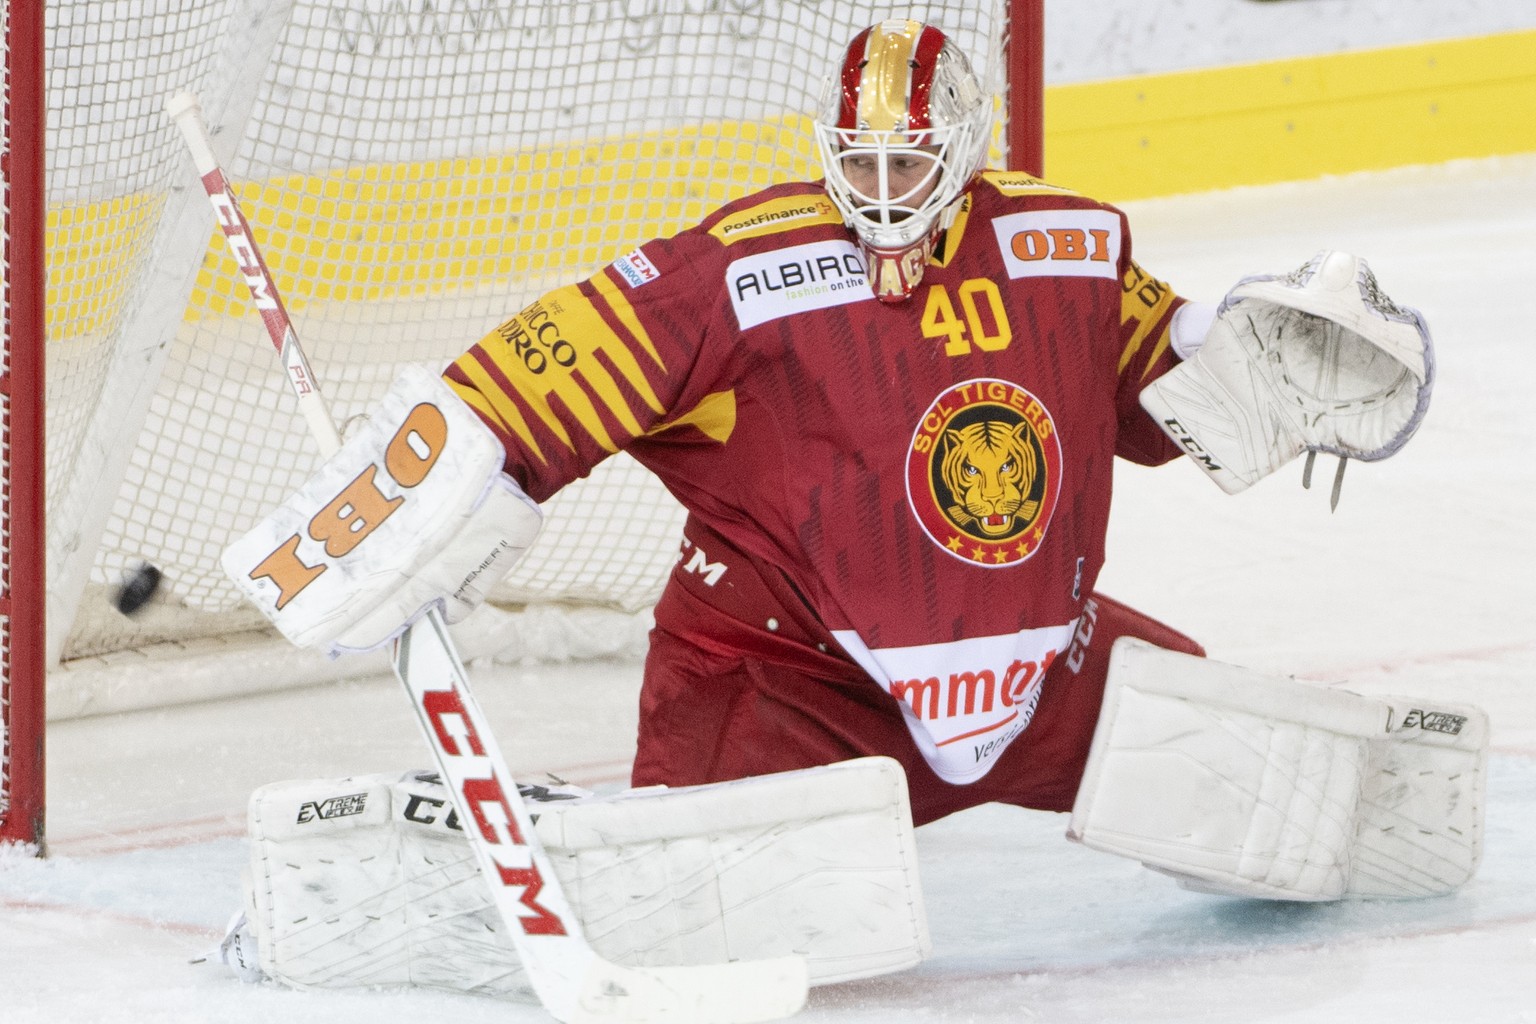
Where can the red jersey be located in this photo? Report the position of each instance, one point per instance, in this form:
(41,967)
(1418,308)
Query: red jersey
(932,476)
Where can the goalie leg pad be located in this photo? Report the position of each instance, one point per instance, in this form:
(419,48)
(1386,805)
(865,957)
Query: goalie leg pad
(1421,803)
(1247,785)
(369,881)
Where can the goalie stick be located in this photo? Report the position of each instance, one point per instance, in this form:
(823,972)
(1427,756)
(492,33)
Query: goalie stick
(574,984)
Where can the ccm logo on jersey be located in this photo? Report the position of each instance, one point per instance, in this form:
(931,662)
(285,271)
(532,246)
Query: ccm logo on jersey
(776,284)
(1060,243)
(635,269)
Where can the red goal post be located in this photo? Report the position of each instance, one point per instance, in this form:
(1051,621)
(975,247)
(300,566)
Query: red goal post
(414,171)
(22,530)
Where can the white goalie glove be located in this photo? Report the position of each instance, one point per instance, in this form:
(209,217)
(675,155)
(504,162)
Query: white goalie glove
(1317,360)
(412,512)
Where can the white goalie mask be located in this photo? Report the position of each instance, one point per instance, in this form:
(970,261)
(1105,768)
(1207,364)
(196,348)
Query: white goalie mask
(902,129)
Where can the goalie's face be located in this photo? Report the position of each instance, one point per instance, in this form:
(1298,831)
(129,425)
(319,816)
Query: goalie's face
(902,130)
(890,184)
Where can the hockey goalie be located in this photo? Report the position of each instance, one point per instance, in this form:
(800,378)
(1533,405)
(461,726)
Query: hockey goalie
(890,400)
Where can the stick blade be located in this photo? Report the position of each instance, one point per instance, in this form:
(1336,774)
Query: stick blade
(744,992)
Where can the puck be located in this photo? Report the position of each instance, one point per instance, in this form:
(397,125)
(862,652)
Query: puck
(138,586)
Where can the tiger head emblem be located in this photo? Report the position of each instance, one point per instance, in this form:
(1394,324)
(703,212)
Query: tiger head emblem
(989,467)
(984,472)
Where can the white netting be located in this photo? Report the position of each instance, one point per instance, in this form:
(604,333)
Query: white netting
(415,172)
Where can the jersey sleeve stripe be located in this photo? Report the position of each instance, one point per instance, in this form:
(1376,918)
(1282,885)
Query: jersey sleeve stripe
(562,360)
(1148,317)
(714,417)
(626,313)
(1164,339)
(537,399)
(486,396)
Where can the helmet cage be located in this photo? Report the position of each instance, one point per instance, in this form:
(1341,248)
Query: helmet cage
(911,177)
(904,95)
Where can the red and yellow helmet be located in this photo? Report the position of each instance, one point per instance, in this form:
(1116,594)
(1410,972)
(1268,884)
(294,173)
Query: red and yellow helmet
(902,129)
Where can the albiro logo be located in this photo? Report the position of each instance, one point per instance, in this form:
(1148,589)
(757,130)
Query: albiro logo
(776,284)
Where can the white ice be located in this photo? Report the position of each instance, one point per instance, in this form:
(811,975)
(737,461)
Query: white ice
(1420,582)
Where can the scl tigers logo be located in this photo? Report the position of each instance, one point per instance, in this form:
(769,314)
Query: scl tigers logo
(989,467)
(983,472)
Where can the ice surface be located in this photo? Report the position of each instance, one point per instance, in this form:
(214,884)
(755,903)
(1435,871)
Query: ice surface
(1421,582)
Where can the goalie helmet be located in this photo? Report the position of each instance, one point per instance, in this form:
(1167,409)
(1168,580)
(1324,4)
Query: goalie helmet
(902,128)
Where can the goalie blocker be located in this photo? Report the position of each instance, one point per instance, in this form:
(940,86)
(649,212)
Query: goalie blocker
(412,512)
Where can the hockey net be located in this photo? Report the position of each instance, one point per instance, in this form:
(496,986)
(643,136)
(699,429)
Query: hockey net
(415,171)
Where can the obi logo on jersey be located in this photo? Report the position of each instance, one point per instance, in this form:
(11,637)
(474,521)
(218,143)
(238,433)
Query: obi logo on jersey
(984,472)
(1060,243)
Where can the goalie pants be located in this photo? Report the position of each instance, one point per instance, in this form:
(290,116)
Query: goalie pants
(742,680)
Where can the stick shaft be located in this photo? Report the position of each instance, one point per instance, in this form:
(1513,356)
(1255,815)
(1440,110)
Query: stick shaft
(184,109)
